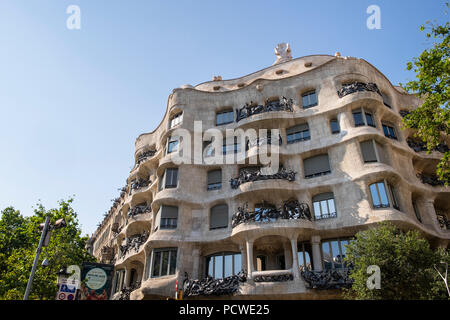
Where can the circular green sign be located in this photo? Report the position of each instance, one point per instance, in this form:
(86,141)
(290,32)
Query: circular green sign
(96,278)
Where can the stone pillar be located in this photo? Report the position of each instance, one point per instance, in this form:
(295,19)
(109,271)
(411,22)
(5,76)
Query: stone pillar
(250,267)
(196,264)
(345,121)
(316,256)
(126,282)
(295,270)
(243,258)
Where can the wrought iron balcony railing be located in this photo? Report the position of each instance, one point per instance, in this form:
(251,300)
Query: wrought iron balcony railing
(138,184)
(250,109)
(144,156)
(133,243)
(246,175)
(357,87)
(209,286)
(125,292)
(419,146)
(430,179)
(274,278)
(327,279)
(291,210)
(138,210)
(444,223)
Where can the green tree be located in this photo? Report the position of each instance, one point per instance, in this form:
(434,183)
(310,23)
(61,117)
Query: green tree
(19,238)
(432,84)
(406,263)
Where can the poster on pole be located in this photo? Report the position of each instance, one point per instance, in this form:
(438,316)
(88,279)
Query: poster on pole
(67,288)
(96,279)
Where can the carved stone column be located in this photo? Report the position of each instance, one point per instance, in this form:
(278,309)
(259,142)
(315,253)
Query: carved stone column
(250,266)
(295,270)
(243,257)
(317,258)
(196,264)
(126,282)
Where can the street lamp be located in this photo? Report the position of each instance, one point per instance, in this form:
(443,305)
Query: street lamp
(46,229)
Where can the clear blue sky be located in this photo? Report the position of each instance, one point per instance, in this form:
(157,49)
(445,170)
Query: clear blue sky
(72,102)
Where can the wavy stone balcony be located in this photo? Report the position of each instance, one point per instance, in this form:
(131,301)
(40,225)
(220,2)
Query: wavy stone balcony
(357,87)
(246,175)
(291,210)
(432,180)
(133,243)
(419,146)
(250,109)
(139,210)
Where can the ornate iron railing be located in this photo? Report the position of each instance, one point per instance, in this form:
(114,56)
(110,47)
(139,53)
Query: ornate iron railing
(107,253)
(145,155)
(133,243)
(327,279)
(125,292)
(138,184)
(246,175)
(326,216)
(357,87)
(138,210)
(274,278)
(291,210)
(431,180)
(209,286)
(419,146)
(250,109)
(444,223)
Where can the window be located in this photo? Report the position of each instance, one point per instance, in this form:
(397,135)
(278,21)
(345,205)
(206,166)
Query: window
(166,218)
(298,133)
(334,125)
(223,264)
(389,132)
(231,148)
(368,151)
(324,206)
(119,279)
(169,179)
(393,194)
(363,118)
(316,166)
(172,145)
(333,253)
(379,195)
(386,100)
(214,179)
(304,255)
(219,217)
(416,210)
(224,117)
(309,99)
(176,120)
(164,262)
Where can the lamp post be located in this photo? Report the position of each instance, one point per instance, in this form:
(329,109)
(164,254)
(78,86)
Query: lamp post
(45,239)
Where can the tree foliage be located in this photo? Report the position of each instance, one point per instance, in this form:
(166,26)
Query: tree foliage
(406,264)
(19,239)
(432,84)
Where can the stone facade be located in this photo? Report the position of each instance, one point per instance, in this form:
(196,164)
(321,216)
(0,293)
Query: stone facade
(153,254)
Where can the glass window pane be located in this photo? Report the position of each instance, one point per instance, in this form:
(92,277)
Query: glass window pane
(317,211)
(228,271)
(383,194)
(210,264)
(323,206)
(331,206)
(165,262)
(357,116)
(326,255)
(337,259)
(156,263)
(385,130)
(218,265)
(173,261)
(237,263)
(369,120)
(374,193)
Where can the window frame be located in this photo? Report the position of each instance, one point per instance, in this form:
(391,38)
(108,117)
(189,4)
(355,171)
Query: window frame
(228,111)
(330,247)
(335,120)
(176,120)
(153,261)
(329,215)
(297,132)
(391,132)
(309,94)
(222,254)
(364,113)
